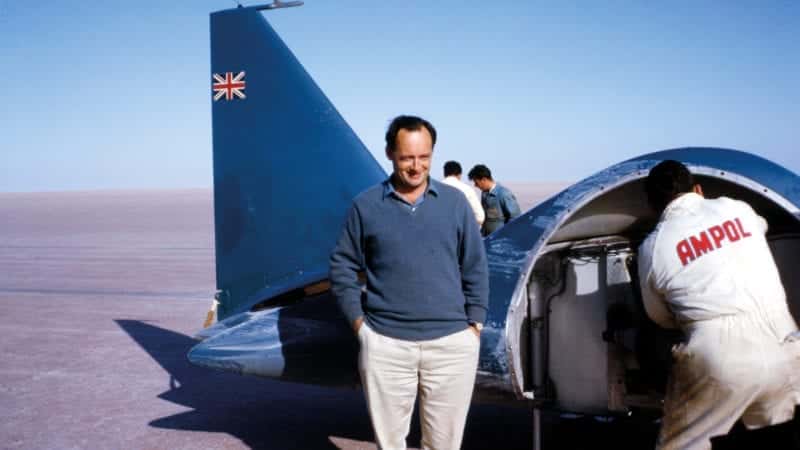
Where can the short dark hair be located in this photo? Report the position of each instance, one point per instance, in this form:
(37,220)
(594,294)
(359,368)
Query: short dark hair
(452,168)
(667,180)
(409,123)
(479,171)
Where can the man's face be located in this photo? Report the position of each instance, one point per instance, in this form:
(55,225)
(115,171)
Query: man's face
(484,184)
(411,158)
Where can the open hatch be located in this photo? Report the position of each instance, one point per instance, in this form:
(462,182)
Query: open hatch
(586,344)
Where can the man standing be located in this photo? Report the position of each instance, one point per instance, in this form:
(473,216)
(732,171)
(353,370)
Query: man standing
(498,202)
(707,270)
(452,177)
(419,316)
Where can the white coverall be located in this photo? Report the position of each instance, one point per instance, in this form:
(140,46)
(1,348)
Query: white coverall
(707,269)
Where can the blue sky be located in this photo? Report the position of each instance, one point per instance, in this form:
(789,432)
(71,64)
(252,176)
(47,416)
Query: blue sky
(116,94)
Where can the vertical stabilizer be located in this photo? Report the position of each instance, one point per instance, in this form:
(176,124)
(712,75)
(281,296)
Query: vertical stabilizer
(286,164)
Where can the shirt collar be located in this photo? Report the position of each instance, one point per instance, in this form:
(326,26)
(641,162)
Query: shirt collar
(388,188)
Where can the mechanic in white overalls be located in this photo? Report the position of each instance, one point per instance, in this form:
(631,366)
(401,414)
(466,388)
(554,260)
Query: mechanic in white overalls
(707,270)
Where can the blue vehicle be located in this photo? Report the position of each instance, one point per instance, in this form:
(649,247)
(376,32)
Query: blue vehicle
(566,328)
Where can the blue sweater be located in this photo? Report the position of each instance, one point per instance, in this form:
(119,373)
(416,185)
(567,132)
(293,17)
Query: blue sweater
(425,264)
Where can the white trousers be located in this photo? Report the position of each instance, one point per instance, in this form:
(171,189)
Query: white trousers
(729,370)
(441,370)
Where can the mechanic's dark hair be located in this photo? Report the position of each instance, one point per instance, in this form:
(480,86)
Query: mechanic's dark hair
(479,171)
(667,180)
(452,168)
(408,123)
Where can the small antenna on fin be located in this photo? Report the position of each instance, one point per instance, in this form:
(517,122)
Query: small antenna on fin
(276,4)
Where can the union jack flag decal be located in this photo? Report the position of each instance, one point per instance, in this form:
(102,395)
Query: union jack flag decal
(228,86)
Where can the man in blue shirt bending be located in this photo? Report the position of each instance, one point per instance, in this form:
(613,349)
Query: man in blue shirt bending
(498,202)
(418,318)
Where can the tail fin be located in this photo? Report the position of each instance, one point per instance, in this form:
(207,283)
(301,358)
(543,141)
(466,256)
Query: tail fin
(286,165)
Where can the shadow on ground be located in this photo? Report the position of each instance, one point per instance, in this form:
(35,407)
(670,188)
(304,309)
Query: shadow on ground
(261,413)
(264,413)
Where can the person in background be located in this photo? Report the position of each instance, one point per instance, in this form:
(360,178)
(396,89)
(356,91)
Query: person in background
(452,176)
(419,317)
(499,203)
(707,270)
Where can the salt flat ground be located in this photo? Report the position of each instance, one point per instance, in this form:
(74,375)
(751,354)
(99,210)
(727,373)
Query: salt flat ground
(99,295)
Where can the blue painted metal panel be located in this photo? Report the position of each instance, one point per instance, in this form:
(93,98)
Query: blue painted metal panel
(275,221)
(765,172)
(307,342)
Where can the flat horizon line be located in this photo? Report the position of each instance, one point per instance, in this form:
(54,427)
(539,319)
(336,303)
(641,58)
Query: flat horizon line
(145,190)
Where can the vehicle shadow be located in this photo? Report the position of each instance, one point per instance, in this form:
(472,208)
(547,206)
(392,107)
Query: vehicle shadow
(262,413)
(269,414)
